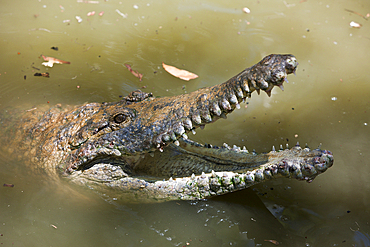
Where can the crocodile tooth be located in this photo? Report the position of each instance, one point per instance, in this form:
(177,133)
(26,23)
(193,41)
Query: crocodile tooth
(225,145)
(306,146)
(297,145)
(177,143)
(196,119)
(166,138)
(287,146)
(236,148)
(203,175)
(193,131)
(173,136)
(180,130)
(239,92)
(258,91)
(245,149)
(226,105)
(192,176)
(264,84)
(170,180)
(216,109)
(281,87)
(254,83)
(281,147)
(254,152)
(207,117)
(202,127)
(213,174)
(233,99)
(188,124)
(273,148)
(185,136)
(237,106)
(286,80)
(268,92)
(245,86)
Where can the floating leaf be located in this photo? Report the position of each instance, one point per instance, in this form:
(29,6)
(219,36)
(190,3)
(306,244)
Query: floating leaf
(179,73)
(52,61)
(135,73)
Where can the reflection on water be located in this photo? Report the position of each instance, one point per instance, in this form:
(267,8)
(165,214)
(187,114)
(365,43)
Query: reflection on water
(327,102)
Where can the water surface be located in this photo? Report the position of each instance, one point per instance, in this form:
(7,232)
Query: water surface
(327,102)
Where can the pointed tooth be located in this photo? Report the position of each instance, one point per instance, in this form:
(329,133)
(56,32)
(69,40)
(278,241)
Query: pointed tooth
(281,87)
(185,136)
(202,127)
(264,84)
(177,143)
(213,174)
(268,93)
(180,130)
(273,148)
(196,119)
(216,109)
(286,80)
(226,105)
(170,180)
(245,86)
(306,146)
(258,91)
(225,145)
(166,138)
(194,132)
(319,147)
(239,92)
(297,145)
(192,176)
(254,83)
(203,175)
(287,146)
(207,117)
(237,106)
(188,124)
(233,99)
(281,147)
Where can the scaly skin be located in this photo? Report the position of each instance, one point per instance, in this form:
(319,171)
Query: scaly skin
(139,144)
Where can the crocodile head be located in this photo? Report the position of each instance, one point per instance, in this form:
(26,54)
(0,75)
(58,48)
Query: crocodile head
(140,144)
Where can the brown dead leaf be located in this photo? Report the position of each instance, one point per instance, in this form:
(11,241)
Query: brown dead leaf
(135,73)
(272,241)
(179,73)
(52,61)
(42,74)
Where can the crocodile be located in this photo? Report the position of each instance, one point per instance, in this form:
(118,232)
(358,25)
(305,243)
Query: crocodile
(139,147)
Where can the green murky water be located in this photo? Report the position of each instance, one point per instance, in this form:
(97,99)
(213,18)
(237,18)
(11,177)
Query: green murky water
(327,102)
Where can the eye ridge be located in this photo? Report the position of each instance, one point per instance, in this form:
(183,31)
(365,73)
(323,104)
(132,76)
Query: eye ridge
(119,118)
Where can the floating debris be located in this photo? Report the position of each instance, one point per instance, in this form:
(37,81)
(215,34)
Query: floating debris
(246,10)
(121,14)
(79,19)
(8,185)
(42,74)
(355,24)
(179,73)
(52,60)
(135,73)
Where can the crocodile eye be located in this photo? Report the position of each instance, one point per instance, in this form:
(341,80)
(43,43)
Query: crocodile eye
(119,118)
